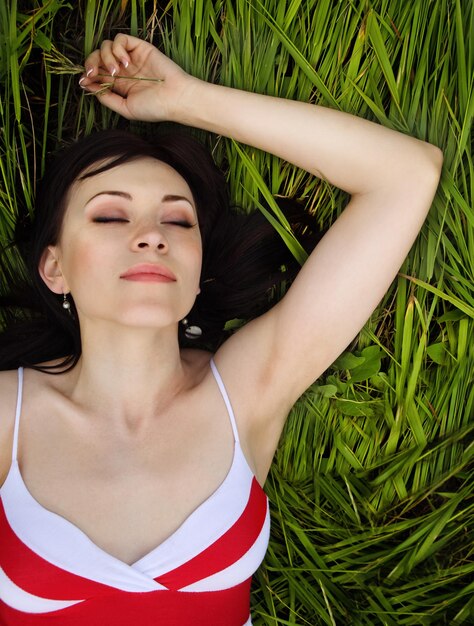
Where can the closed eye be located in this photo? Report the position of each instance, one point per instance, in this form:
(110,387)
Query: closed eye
(107,220)
(183,223)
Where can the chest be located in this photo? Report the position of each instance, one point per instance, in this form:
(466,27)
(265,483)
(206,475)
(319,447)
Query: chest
(127,494)
(217,548)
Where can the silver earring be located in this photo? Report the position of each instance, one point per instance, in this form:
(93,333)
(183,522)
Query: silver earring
(191,332)
(66,304)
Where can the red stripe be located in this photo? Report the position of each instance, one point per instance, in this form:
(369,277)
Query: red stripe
(226,550)
(36,575)
(229,607)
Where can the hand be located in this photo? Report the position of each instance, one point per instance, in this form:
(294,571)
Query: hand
(144,84)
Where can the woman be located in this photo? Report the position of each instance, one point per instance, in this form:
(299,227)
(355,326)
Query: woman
(139,498)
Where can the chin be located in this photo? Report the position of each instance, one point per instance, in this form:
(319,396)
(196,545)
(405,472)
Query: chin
(145,316)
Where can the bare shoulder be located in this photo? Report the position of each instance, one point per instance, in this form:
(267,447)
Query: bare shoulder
(8,395)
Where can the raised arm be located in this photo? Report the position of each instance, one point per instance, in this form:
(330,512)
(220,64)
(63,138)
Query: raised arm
(391,177)
(352,153)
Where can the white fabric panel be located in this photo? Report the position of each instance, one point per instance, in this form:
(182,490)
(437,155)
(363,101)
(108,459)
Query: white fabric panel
(59,542)
(238,571)
(206,524)
(21,600)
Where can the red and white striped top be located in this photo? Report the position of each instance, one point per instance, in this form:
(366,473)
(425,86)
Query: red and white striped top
(52,573)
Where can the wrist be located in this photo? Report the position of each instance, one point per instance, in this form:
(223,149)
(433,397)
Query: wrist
(190,106)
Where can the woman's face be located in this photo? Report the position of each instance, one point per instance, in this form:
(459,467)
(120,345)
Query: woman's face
(130,246)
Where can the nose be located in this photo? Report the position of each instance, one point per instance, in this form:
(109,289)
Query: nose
(150,238)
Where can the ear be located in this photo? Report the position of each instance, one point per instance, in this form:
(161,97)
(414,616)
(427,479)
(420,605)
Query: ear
(50,271)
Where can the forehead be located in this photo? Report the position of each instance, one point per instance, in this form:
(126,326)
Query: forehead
(140,177)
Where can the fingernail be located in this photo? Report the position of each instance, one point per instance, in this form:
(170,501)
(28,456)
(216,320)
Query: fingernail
(89,72)
(81,80)
(125,63)
(113,71)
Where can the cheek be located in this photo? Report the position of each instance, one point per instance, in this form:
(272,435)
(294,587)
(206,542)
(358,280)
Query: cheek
(83,256)
(83,263)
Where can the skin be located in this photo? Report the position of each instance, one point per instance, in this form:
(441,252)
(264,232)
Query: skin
(144,219)
(117,434)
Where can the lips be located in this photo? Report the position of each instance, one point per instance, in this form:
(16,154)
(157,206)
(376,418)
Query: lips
(149,272)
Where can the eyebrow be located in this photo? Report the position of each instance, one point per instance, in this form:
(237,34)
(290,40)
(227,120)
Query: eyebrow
(121,194)
(127,196)
(174,198)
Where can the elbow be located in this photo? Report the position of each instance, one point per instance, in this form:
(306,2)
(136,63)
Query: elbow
(421,165)
(421,174)
(429,173)
(433,161)
(423,169)
(436,157)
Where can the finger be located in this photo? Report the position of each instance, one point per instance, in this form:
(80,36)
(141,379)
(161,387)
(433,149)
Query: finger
(92,64)
(109,57)
(116,53)
(122,45)
(128,43)
(109,60)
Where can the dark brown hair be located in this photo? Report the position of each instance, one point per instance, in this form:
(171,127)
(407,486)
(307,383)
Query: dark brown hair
(243,257)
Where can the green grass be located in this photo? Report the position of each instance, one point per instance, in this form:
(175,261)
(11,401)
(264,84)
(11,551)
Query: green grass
(371,488)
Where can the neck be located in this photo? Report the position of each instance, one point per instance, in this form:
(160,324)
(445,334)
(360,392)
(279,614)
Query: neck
(131,374)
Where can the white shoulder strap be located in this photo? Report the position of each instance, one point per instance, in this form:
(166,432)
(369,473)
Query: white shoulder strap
(18,413)
(225,396)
